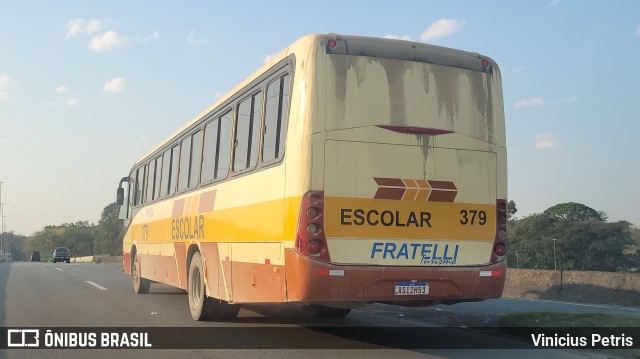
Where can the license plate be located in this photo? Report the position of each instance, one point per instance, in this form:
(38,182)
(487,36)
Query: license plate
(411,288)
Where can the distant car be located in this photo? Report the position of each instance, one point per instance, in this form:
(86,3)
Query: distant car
(61,254)
(35,256)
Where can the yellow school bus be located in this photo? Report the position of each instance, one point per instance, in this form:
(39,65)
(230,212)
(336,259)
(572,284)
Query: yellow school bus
(348,170)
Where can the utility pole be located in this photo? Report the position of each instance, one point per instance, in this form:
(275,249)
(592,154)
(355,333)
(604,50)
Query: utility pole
(4,242)
(555,264)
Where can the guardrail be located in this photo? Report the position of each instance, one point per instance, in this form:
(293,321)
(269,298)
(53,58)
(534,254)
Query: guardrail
(97,259)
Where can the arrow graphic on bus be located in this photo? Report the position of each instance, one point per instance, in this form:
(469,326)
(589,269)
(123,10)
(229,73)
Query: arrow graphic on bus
(415,190)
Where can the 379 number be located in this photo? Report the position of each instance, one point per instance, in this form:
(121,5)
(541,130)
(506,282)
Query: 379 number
(472,217)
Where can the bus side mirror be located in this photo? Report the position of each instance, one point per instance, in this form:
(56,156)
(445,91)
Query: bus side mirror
(120,196)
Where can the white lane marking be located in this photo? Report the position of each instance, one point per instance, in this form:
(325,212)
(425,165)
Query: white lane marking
(60,269)
(97,285)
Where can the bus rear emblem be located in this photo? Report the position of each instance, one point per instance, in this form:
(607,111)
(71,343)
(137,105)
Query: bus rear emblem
(415,190)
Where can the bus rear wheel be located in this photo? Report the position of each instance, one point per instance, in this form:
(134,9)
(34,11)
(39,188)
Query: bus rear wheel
(224,311)
(140,285)
(201,306)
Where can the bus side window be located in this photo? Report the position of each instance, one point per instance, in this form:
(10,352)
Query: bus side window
(151,181)
(166,165)
(209,151)
(169,171)
(124,208)
(156,186)
(284,116)
(275,120)
(173,172)
(247,133)
(139,186)
(185,162)
(215,152)
(224,146)
(135,195)
(190,158)
(196,159)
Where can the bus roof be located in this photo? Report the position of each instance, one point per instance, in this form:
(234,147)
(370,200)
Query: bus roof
(304,41)
(354,46)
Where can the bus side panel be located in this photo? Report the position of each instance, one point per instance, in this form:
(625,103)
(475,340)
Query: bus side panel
(168,266)
(314,281)
(126,253)
(213,275)
(150,265)
(179,266)
(258,283)
(126,262)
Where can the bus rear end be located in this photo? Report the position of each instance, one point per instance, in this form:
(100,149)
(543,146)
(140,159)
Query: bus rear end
(408,200)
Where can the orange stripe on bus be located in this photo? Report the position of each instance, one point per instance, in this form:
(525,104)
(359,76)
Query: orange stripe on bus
(178,208)
(206,201)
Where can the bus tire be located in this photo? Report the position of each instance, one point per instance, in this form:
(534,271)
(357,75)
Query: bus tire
(227,311)
(140,285)
(220,310)
(200,306)
(321,311)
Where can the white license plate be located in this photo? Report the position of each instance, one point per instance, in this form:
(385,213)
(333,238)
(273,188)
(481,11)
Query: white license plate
(411,288)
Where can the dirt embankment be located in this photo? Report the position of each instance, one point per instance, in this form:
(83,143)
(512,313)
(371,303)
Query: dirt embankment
(587,287)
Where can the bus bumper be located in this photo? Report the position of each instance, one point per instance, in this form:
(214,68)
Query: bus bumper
(313,281)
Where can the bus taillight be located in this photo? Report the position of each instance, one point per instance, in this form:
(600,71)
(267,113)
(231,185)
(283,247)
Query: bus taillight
(500,241)
(310,238)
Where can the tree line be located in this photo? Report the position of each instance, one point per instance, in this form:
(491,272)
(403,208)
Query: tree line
(572,236)
(567,236)
(82,238)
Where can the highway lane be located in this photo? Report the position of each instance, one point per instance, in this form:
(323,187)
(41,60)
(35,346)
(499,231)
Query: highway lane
(47,294)
(90,295)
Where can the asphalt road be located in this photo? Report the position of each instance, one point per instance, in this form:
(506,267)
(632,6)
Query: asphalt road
(89,295)
(487,313)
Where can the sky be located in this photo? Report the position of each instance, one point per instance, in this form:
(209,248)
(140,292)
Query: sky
(87,88)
